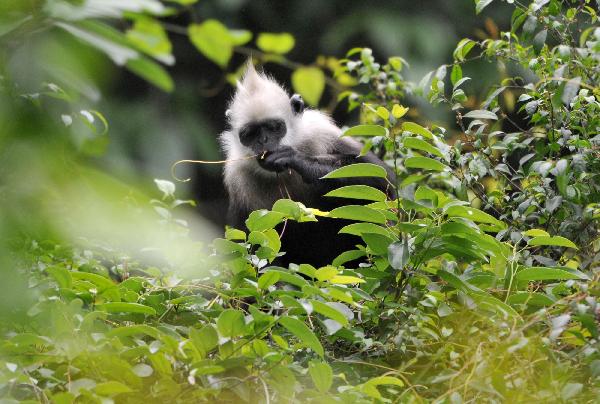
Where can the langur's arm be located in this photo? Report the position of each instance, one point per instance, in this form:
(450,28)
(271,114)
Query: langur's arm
(313,168)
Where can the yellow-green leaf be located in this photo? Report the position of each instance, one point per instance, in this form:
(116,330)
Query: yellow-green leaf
(275,43)
(212,39)
(309,82)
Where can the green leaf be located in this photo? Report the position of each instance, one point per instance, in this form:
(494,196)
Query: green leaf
(122,307)
(554,241)
(358,170)
(456,74)
(419,144)
(231,323)
(151,72)
(378,243)
(100,281)
(310,83)
(267,279)
(286,276)
(329,312)
(149,36)
(535,233)
(204,339)
(212,39)
(424,163)
(303,333)
(111,388)
(263,219)
(481,4)
(225,247)
(134,330)
(398,254)
(366,130)
(370,387)
(417,129)
(463,48)
(62,276)
(473,214)
(383,113)
(531,299)
(321,375)
(481,114)
(358,213)
(359,228)
(275,43)
(544,273)
(363,192)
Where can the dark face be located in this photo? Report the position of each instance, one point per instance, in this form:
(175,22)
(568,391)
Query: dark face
(263,135)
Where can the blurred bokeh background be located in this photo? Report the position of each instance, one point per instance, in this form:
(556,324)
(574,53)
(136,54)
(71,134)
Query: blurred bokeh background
(150,128)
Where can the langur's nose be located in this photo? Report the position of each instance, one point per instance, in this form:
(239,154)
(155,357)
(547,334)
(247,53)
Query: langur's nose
(263,138)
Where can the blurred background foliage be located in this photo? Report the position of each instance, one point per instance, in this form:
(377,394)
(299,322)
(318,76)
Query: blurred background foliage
(150,128)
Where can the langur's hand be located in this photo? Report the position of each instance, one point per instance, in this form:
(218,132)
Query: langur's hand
(278,160)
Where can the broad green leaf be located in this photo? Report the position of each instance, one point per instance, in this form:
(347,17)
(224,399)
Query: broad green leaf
(267,279)
(310,83)
(346,280)
(463,48)
(231,323)
(370,387)
(275,43)
(303,333)
(225,247)
(326,273)
(62,276)
(263,219)
(321,375)
(204,339)
(358,213)
(151,72)
(286,276)
(545,273)
(378,243)
(358,170)
(456,74)
(366,130)
(398,254)
(417,129)
(122,307)
(212,39)
(473,214)
(101,281)
(553,240)
(531,299)
(134,330)
(481,114)
(240,36)
(363,192)
(111,388)
(419,144)
(328,311)
(424,163)
(359,228)
(348,256)
(149,36)
(383,113)
(536,233)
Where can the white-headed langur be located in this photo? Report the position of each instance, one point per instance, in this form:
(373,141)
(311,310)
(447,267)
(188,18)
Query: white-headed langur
(295,148)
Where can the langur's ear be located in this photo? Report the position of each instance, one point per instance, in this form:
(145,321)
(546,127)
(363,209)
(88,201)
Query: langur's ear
(297,104)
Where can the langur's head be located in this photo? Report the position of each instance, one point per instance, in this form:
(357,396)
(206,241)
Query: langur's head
(262,115)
